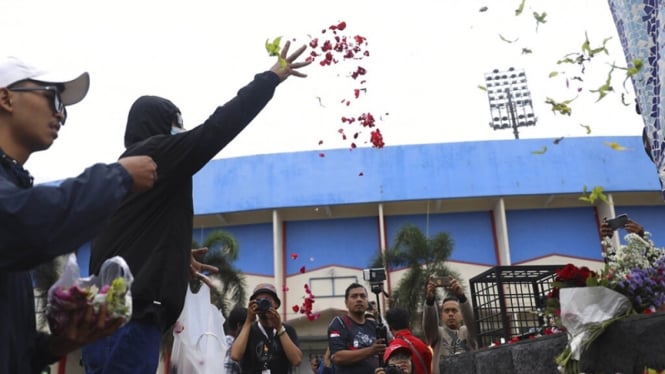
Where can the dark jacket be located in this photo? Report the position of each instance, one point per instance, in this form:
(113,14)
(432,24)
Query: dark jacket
(36,225)
(153,230)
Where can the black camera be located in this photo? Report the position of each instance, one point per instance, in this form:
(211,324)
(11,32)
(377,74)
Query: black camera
(375,275)
(392,369)
(262,306)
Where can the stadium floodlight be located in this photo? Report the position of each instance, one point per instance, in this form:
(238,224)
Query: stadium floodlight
(510,100)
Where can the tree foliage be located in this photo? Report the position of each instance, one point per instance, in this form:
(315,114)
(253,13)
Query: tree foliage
(422,256)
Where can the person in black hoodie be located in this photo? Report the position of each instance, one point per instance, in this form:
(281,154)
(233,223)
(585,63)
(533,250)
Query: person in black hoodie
(153,231)
(42,222)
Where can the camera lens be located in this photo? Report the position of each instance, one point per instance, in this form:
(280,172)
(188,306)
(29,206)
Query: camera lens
(263,305)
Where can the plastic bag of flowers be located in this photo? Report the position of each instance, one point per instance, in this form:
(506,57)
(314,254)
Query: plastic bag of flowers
(71,292)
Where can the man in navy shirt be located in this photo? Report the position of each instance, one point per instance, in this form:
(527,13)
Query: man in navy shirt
(40,223)
(352,338)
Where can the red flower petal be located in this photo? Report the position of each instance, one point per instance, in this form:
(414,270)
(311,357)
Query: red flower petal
(294,255)
(322,155)
(295,308)
(302,270)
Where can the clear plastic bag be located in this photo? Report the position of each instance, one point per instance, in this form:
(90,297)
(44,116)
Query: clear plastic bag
(586,308)
(199,342)
(71,294)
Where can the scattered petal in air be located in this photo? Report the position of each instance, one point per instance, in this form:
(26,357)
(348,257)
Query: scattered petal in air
(322,154)
(294,256)
(295,308)
(311,259)
(587,128)
(285,289)
(558,140)
(540,151)
(313,317)
(302,270)
(616,146)
(361,174)
(483,9)
(508,40)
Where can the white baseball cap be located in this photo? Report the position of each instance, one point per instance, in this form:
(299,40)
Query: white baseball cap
(13,69)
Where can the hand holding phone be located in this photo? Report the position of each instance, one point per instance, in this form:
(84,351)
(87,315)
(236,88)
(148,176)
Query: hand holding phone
(618,222)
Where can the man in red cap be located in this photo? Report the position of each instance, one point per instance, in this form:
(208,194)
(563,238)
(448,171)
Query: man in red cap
(421,354)
(398,359)
(266,344)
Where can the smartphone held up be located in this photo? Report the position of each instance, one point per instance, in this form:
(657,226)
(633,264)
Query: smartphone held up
(441,281)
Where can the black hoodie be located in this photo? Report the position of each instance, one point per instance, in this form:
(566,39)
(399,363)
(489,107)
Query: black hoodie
(152,231)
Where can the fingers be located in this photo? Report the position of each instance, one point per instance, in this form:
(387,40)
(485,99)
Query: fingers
(209,268)
(143,171)
(199,251)
(295,54)
(205,280)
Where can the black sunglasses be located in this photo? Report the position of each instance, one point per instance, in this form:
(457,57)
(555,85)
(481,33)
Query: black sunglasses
(57,103)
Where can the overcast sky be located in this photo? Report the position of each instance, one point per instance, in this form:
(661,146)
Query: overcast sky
(427,59)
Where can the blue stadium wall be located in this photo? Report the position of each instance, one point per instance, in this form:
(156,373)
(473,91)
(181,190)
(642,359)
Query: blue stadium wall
(504,169)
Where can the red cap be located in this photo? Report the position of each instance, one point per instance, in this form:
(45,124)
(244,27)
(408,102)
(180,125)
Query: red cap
(394,346)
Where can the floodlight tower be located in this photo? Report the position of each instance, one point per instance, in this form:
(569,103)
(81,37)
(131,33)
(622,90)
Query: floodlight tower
(510,100)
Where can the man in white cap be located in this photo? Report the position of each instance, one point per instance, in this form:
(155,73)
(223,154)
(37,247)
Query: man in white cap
(266,345)
(40,223)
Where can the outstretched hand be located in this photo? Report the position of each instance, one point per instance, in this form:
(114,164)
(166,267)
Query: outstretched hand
(282,70)
(196,268)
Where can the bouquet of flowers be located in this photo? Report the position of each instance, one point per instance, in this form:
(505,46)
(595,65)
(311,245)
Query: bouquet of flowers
(71,293)
(585,303)
(637,270)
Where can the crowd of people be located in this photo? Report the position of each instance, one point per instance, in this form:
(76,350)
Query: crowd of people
(358,341)
(140,208)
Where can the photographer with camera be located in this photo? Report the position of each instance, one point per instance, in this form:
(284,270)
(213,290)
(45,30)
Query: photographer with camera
(266,344)
(452,338)
(356,342)
(398,359)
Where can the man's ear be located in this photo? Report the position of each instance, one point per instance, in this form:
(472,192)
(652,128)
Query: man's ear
(5,100)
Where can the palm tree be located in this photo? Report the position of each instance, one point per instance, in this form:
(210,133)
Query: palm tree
(423,257)
(223,250)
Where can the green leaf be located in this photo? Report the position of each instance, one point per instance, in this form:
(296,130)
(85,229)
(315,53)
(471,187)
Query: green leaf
(520,8)
(273,47)
(561,107)
(553,74)
(606,87)
(482,87)
(541,151)
(587,128)
(540,17)
(508,40)
(593,196)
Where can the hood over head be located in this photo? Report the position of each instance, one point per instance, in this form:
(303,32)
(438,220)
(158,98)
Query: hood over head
(149,116)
